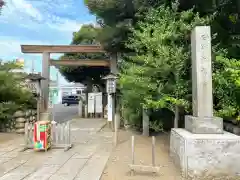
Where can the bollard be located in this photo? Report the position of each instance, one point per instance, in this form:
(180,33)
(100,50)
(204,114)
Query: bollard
(132,171)
(153,151)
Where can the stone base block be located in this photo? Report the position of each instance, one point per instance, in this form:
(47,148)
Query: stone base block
(204,125)
(205,156)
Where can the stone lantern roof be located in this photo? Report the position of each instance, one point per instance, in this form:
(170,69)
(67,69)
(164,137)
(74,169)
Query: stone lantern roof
(34,77)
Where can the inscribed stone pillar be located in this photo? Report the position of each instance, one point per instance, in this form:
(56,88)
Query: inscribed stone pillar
(202,72)
(203,150)
(202,120)
(45,85)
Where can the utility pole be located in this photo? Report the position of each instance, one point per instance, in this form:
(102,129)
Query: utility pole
(33,66)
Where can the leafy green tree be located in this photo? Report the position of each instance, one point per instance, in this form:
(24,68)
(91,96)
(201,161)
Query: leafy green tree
(13,95)
(169,79)
(117,17)
(157,76)
(226,80)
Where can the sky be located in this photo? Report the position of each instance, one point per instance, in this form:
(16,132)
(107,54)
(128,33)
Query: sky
(39,22)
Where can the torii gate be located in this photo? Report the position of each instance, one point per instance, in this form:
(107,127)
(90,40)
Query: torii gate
(45,50)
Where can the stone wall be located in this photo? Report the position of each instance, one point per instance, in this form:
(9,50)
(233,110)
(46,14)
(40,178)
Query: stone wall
(232,126)
(20,118)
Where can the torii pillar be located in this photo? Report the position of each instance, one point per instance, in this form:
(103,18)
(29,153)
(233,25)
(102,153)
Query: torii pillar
(45,114)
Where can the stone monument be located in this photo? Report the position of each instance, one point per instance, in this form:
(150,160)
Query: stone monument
(203,150)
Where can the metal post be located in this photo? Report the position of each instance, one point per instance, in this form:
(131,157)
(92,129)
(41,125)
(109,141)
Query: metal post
(153,151)
(115,131)
(132,171)
(132,150)
(38,109)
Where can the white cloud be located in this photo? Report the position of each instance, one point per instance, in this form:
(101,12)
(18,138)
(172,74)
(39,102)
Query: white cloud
(19,9)
(24,14)
(66,25)
(26,8)
(10,47)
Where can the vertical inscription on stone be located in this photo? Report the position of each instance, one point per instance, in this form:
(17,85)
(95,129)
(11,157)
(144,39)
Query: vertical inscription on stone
(201,72)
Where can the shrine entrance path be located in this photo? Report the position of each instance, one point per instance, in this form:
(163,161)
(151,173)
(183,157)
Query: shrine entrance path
(86,160)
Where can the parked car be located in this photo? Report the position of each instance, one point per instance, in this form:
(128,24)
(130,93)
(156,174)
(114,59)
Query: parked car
(70,100)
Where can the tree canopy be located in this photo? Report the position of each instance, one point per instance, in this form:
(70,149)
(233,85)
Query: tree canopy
(84,74)
(2,3)
(13,95)
(117,17)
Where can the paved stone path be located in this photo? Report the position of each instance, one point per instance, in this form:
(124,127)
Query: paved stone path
(85,161)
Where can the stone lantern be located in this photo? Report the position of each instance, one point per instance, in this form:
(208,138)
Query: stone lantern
(110,83)
(33,82)
(111,90)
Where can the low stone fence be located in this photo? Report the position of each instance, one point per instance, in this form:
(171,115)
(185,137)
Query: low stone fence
(232,126)
(22,117)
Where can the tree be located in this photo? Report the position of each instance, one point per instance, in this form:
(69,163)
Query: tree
(226,80)
(157,76)
(84,74)
(13,95)
(117,17)
(2,3)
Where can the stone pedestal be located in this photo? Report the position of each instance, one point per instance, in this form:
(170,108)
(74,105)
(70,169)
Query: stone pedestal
(204,125)
(204,156)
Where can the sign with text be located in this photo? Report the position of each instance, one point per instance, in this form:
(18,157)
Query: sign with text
(91,99)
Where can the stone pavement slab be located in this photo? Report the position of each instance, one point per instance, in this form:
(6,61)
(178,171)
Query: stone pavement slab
(58,159)
(84,151)
(44,172)
(95,166)
(12,164)
(19,173)
(69,170)
(85,161)
(4,159)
